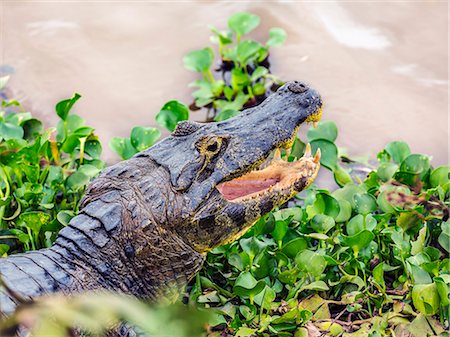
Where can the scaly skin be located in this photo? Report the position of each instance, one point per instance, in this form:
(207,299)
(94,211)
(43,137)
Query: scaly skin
(147,223)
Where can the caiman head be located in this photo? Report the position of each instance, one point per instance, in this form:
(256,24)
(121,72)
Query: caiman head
(221,179)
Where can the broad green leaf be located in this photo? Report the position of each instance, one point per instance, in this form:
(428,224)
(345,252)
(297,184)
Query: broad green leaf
(426,298)
(63,107)
(277,36)
(34,220)
(325,130)
(443,290)
(93,148)
(225,114)
(142,138)
(416,164)
(123,147)
(329,152)
(247,51)
(378,274)
(243,23)
(247,285)
(294,246)
(341,176)
(82,177)
(65,216)
(347,192)
(311,262)
(259,72)
(221,37)
(199,60)
(322,223)
(418,245)
(171,113)
(398,151)
(245,332)
(440,176)
(10,131)
(265,298)
(359,241)
(364,203)
(324,204)
(386,171)
(345,211)
(317,286)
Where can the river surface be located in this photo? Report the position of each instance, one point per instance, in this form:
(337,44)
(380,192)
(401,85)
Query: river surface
(381,67)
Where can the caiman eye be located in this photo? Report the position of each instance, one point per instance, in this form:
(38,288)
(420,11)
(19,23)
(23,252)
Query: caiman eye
(210,146)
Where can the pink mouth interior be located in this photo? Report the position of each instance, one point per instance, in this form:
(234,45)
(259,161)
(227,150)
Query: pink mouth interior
(241,187)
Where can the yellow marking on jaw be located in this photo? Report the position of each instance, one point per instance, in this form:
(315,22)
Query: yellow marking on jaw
(315,117)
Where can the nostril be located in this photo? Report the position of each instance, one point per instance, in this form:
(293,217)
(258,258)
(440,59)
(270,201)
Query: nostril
(297,87)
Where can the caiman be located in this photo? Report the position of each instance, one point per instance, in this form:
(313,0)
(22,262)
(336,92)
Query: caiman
(148,222)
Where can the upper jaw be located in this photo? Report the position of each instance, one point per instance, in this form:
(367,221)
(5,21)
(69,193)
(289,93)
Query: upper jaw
(277,177)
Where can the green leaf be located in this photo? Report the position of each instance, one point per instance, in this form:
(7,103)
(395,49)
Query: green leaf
(239,79)
(294,246)
(277,36)
(142,138)
(341,176)
(378,274)
(259,72)
(63,107)
(440,176)
(34,220)
(265,298)
(317,286)
(247,51)
(171,113)
(10,131)
(93,148)
(364,203)
(416,164)
(246,285)
(359,241)
(82,177)
(426,298)
(245,332)
(199,60)
(310,262)
(418,245)
(64,217)
(123,147)
(328,150)
(386,171)
(243,23)
(398,151)
(345,211)
(325,130)
(324,204)
(322,223)
(442,289)
(225,114)
(222,37)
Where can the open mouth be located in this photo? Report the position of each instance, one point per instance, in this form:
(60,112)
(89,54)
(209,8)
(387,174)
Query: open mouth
(278,175)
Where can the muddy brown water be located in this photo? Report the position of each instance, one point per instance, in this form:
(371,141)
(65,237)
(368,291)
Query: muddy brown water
(382,67)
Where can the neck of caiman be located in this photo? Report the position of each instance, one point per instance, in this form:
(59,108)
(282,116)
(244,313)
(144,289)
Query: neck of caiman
(114,243)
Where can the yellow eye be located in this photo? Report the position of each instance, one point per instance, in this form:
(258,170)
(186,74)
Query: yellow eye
(210,146)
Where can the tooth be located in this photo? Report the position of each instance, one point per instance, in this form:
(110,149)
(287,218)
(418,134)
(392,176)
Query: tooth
(277,154)
(288,153)
(307,151)
(317,157)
